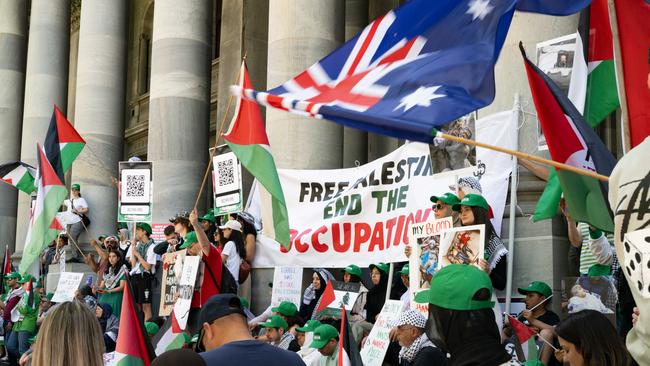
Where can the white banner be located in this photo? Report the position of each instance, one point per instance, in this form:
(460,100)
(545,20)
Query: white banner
(493,167)
(359,215)
(67,287)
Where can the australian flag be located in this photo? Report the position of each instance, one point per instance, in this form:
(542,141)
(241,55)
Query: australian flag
(419,66)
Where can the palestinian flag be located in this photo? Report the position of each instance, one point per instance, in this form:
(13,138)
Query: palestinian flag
(30,293)
(522,332)
(247,139)
(573,142)
(348,351)
(327,298)
(62,143)
(6,269)
(549,201)
(133,346)
(19,175)
(169,337)
(51,192)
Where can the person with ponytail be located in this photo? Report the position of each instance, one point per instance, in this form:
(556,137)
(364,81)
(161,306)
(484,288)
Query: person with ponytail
(234,250)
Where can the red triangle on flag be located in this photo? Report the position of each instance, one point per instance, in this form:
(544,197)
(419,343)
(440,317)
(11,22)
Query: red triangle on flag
(327,298)
(65,130)
(56,225)
(176,328)
(47,174)
(130,339)
(522,332)
(247,125)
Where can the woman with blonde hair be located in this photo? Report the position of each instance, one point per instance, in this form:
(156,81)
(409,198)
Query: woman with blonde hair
(69,336)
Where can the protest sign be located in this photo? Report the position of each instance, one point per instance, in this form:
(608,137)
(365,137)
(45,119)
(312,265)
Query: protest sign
(172,270)
(226,181)
(186,289)
(359,215)
(337,295)
(425,246)
(462,245)
(67,287)
(376,344)
(135,191)
(287,282)
(158,232)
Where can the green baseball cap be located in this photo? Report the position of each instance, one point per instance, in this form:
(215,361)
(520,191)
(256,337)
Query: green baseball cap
(208,217)
(536,286)
(599,270)
(49,296)
(380,266)
(323,334)
(151,327)
(352,269)
(473,200)
(276,321)
(190,239)
(310,326)
(26,278)
(75,186)
(244,302)
(13,276)
(405,270)
(448,198)
(454,286)
(286,308)
(144,226)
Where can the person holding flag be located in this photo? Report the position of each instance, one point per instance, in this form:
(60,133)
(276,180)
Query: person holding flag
(24,327)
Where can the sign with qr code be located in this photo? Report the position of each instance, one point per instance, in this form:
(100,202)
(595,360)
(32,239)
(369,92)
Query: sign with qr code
(226,181)
(135,191)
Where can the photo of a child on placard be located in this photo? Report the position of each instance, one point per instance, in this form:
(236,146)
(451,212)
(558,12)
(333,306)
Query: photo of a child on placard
(589,293)
(462,245)
(426,239)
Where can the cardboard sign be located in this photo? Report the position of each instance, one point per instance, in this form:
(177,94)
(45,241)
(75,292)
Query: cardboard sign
(135,191)
(287,283)
(345,295)
(226,182)
(67,287)
(186,289)
(376,345)
(462,245)
(172,270)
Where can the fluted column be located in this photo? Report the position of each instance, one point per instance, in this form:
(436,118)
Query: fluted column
(301,33)
(46,84)
(13,56)
(179,104)
(99,106)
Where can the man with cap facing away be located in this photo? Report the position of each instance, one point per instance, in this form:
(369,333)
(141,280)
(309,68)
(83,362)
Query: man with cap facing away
(417,348)
(326,341)
(304,337)
(225,336)
(143,266)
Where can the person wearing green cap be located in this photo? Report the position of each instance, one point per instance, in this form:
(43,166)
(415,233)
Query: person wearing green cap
(375,301)
(143,267)
(208,224)
(304,337)
(276,332)
(443,206)
(24,325)
(352,273)
(76,209)
(46,305)
(405,299)
(461,316)
(326,341)
(151,328)
(15,294)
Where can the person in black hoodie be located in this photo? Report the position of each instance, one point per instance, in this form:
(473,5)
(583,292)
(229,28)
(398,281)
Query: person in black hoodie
(374,300)
(311,296)
(461,318)
(109,324)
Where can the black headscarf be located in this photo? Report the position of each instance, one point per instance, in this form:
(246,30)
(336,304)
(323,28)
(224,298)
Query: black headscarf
(470,336)
(310,300)
(376,297)
(107,311)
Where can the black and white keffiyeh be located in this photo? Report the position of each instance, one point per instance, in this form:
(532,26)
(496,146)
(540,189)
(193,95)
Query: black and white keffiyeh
(409,353)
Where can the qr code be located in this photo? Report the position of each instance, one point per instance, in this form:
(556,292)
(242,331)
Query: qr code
(225,172)
(135,185)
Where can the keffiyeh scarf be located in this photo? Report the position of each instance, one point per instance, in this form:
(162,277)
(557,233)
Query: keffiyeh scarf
(409,353)
(494,250)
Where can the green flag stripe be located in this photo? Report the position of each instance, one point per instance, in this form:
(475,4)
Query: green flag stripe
(548,202)
(128,360)
(26,184)
(602,95)
(585,200)
(177,342)
(69,153)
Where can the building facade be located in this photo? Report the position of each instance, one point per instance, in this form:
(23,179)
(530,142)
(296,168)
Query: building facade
(150,79)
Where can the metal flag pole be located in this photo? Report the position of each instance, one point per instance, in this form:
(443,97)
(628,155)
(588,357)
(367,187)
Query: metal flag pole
(391,269)
(516,109)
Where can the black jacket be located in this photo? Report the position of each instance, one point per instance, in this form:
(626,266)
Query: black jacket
(428,356)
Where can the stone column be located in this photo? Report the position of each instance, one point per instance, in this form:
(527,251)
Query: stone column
(13,56)
(301,33)
(179,104)
(99,111)
(380,145)
(355,142)
(46,84)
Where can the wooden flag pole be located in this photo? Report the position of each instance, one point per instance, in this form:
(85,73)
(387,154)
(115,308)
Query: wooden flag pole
(523,155)
(216,140)
(620,81)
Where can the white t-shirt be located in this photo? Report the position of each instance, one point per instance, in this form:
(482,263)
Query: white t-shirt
(234,260)
(151,259)
(68,217)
